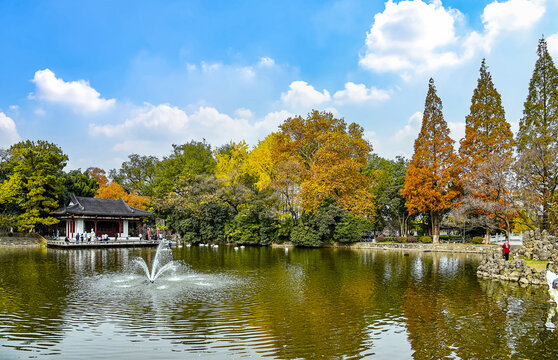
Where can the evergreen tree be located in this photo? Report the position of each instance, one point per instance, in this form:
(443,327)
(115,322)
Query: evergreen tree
(35,182)
(537,140)
(488,137)
(429,184)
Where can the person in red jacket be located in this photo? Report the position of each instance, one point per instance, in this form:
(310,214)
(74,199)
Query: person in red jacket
(506,250)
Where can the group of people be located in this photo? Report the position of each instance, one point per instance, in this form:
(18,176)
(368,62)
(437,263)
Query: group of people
(87,237)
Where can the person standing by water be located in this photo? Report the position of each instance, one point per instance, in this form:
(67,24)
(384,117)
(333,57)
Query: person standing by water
(506,250)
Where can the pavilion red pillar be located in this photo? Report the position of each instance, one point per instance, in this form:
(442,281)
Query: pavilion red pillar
(95,226)
(120,227)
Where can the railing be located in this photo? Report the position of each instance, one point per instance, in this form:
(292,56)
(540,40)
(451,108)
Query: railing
(515,239)
(100,243)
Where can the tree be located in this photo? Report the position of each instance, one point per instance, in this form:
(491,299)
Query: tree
(35,182)
(114,191)
(79,184)
(488,141)
(389,180)
(137,174)
(537,140)
(332,156)
(98,174)
(429,184)
(185,163)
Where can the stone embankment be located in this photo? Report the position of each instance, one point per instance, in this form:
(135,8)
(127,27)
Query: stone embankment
(6,240)
(537,246)
(453,248)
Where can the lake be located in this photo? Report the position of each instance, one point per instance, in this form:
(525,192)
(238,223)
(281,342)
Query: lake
(226,303)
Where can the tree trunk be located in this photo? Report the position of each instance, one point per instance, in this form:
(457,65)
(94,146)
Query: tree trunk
(435,227)
(487,239)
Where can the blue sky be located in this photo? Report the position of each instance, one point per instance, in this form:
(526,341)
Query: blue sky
(104,79)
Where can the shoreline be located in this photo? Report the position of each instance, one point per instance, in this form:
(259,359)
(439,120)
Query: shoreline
(11,242)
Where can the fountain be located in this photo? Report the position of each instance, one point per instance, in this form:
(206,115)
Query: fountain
(162,263)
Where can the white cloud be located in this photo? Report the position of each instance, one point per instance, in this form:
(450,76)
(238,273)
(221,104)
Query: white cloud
(272,121)
(207,67)
(14,107)
(154,128)
(509,15)
(266,61)
(303,94)
(78,95)
(414,36)
(411,36)
(457,131)
(358,93)
(411,129)
(149,121)
(40,112)
(244,113)
(8,131)
(552,44)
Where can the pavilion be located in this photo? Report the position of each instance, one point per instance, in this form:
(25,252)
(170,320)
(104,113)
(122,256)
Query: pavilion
(111,217)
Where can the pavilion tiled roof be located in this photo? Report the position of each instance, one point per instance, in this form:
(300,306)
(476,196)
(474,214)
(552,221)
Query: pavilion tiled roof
(100,207)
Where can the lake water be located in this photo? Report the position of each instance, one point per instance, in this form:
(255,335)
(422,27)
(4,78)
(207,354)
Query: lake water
(266,303)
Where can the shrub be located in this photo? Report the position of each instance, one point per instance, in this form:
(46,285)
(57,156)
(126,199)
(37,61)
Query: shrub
(477,240)
(412,239)
(401,239)
(426,239)
(302,235)
(351,228)
(380,238)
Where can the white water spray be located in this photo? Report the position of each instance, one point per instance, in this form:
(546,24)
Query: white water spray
(161,263)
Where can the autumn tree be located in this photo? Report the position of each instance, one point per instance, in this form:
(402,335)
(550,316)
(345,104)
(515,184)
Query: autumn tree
(429,184)
(34,183)
(537,140)
(331,156)
(488,141)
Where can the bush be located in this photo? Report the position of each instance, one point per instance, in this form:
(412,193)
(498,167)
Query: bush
(351,228)
(302,235)
(477,240)
(401,239)
(412,239)
(380,238)
(426,239)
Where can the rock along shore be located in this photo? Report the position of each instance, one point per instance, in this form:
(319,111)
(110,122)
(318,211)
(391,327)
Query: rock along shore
(536,246)
(454,248)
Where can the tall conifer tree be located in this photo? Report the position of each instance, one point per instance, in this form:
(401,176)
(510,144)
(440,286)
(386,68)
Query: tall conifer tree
(429,184)
(537,140)
(488,137)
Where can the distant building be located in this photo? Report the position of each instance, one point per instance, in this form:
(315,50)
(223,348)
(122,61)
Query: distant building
(100,216)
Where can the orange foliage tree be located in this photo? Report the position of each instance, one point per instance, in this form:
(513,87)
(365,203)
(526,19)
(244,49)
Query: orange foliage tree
(429,184)
(488,141)
(113,190)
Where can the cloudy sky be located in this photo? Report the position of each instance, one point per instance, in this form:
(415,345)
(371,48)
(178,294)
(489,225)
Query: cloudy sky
(104,79)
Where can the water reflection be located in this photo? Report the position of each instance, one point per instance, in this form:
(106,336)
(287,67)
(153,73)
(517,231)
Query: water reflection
(264,302)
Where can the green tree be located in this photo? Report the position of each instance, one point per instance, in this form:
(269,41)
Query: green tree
(430,181)
(137,174)
(537,140)
(35,182)
(185,163)
(388,181)
(78,183)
